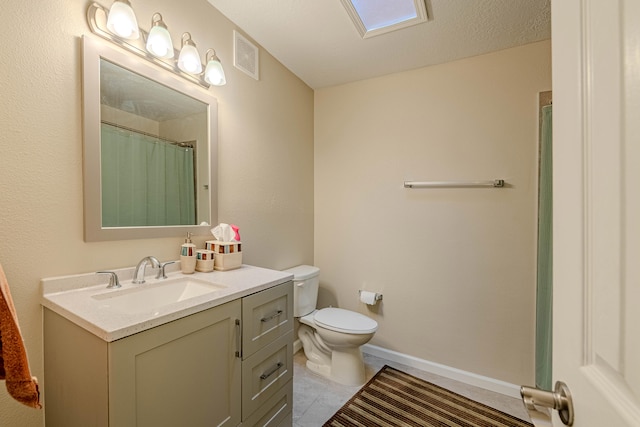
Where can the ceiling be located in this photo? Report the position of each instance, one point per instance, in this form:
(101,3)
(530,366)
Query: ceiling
(136,94)
(318,42)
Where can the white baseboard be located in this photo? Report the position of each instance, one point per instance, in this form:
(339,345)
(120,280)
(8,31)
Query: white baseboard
(486,383)
(470,378)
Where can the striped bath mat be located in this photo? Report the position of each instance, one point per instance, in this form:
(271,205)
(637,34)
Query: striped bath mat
(393,398)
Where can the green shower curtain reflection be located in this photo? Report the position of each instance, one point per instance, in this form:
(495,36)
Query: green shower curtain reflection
(544,293)
(146,181)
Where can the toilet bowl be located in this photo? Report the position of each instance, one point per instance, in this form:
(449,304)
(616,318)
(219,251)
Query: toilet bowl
(330,337)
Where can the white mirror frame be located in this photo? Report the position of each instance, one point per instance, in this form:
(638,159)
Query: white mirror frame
(93,50)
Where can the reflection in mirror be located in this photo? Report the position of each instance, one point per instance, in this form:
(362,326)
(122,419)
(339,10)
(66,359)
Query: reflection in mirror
(150,149)
(151,137)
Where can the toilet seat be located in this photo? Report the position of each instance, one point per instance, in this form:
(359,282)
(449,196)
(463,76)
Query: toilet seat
(345,321)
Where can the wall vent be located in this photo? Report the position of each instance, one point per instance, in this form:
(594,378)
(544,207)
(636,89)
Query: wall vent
(246,56)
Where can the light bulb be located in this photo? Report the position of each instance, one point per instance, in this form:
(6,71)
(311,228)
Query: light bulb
(122,21)
(214,73)
(189,59)
(159,40)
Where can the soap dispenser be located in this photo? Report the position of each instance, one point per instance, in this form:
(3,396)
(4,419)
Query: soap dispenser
(188,256)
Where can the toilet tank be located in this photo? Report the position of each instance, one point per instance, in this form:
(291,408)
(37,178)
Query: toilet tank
(306,279)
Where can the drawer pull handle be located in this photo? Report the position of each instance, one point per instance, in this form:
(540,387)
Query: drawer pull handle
(271,371)
(273,316)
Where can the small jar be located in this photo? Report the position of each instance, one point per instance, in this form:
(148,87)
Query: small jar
(204,260)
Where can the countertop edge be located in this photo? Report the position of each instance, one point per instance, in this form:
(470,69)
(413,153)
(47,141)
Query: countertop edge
(53,291)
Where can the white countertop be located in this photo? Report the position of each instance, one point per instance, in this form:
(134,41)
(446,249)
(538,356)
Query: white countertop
(71,297)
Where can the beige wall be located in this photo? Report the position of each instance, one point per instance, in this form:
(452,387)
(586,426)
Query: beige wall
(456,266)
(265,154)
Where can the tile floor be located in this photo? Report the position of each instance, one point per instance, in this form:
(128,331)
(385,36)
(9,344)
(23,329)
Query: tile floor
(316,399)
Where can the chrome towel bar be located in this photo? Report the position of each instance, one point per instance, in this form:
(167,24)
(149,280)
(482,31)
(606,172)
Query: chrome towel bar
(496,183)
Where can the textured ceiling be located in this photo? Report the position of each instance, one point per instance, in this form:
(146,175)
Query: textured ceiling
(318,42)
(136,94)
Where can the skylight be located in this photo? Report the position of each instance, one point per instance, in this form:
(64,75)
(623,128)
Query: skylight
(375,17)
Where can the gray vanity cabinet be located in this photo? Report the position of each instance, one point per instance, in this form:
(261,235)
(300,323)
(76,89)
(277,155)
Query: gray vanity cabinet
(230,365)
(181,373)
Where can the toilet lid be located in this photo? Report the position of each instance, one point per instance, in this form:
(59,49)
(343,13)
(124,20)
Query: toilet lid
(341,320)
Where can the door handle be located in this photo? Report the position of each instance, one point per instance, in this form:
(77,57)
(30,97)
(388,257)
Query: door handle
(238,339)
(559,399)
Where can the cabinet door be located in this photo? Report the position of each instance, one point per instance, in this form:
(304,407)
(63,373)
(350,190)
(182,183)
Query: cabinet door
(183,373)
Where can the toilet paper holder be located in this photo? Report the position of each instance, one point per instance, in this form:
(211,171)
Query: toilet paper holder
(378,297)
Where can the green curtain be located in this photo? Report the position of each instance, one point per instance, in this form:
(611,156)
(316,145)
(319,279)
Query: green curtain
(544,293)
(145,181)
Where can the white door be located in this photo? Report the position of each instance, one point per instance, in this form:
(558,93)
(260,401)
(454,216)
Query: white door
(596,173)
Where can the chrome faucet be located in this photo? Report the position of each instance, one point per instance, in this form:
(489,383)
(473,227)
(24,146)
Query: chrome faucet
(138,275)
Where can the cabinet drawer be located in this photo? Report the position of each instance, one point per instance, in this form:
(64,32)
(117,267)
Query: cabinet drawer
(266,316)
(264,373)
(276,411)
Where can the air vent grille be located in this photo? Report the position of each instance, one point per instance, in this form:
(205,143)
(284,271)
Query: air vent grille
(246,56)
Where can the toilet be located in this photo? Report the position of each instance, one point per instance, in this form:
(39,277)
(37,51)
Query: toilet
(331,337)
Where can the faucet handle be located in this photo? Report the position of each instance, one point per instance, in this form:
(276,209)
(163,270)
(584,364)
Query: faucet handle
(113,279)
(161,274)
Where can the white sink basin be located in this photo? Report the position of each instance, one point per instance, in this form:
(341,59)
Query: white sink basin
(154,295)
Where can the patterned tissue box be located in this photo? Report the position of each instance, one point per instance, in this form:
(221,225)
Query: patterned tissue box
(228,255)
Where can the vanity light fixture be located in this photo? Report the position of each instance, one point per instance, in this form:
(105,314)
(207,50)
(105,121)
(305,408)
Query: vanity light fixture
(155,46)
(189,59)
(159,40)
(122,21)
(214,73)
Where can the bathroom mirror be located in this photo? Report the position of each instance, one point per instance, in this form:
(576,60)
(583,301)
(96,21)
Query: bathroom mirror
(150,149)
